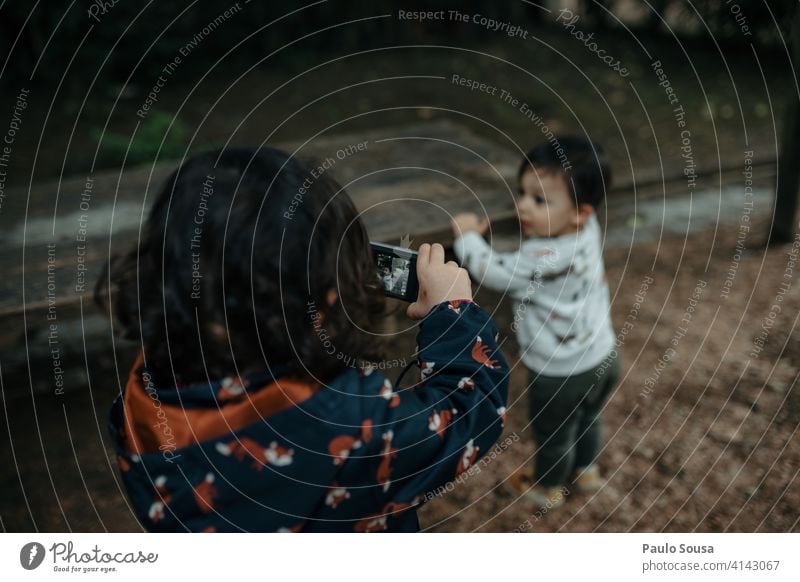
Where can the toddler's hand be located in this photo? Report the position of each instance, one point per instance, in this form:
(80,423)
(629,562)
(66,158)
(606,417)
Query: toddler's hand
(438,281)
(467,222)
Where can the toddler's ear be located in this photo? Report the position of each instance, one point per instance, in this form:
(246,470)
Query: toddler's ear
(585,212)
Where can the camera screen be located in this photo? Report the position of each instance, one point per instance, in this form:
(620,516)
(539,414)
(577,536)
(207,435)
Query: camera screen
(393,272)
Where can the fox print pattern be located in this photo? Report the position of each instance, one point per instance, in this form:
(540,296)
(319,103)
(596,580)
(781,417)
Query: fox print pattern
(204,494)
(480,353)
(261,456)
(385,467)
(339,448)
(467,458)
(439,421)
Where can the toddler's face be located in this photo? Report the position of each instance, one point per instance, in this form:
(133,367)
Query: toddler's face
(545,206)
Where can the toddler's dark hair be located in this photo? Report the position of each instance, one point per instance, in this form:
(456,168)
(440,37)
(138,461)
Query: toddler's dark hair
(583,163)
(268,240)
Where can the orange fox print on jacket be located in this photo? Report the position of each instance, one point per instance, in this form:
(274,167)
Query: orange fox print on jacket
(439,420)
(341,446)
(389,394)
(231,389)
(481,353)
(468,457)
(260,456)
(336,495)
(385,467)
(204,493)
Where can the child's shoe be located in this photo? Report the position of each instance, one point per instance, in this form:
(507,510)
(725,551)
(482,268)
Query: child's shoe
(521,481)
(545,498)
(588,479)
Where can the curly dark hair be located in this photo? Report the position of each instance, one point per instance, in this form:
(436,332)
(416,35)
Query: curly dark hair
(234,270)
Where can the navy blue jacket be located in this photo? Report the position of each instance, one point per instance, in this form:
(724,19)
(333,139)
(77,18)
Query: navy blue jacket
(267,453)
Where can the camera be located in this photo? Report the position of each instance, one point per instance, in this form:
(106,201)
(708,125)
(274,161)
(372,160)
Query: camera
(396,269)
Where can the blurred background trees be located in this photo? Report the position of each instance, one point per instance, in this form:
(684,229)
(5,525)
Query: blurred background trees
(28,31)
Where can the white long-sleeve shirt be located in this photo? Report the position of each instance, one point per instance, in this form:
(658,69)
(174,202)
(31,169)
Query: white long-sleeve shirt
(560,296)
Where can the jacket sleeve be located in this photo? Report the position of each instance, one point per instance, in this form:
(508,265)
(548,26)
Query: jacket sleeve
(435,430)
(506,272)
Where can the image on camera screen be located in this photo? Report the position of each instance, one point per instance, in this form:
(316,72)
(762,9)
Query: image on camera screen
(393,273)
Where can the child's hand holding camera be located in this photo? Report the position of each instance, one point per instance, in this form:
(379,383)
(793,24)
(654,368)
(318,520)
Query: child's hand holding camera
(438,281)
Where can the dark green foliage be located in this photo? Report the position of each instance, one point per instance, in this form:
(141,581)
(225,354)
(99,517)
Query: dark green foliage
(147,145)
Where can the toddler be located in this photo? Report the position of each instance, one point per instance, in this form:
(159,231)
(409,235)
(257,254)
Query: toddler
(561,308)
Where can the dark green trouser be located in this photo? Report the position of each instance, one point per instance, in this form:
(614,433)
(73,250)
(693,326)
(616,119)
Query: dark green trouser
(567,426)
